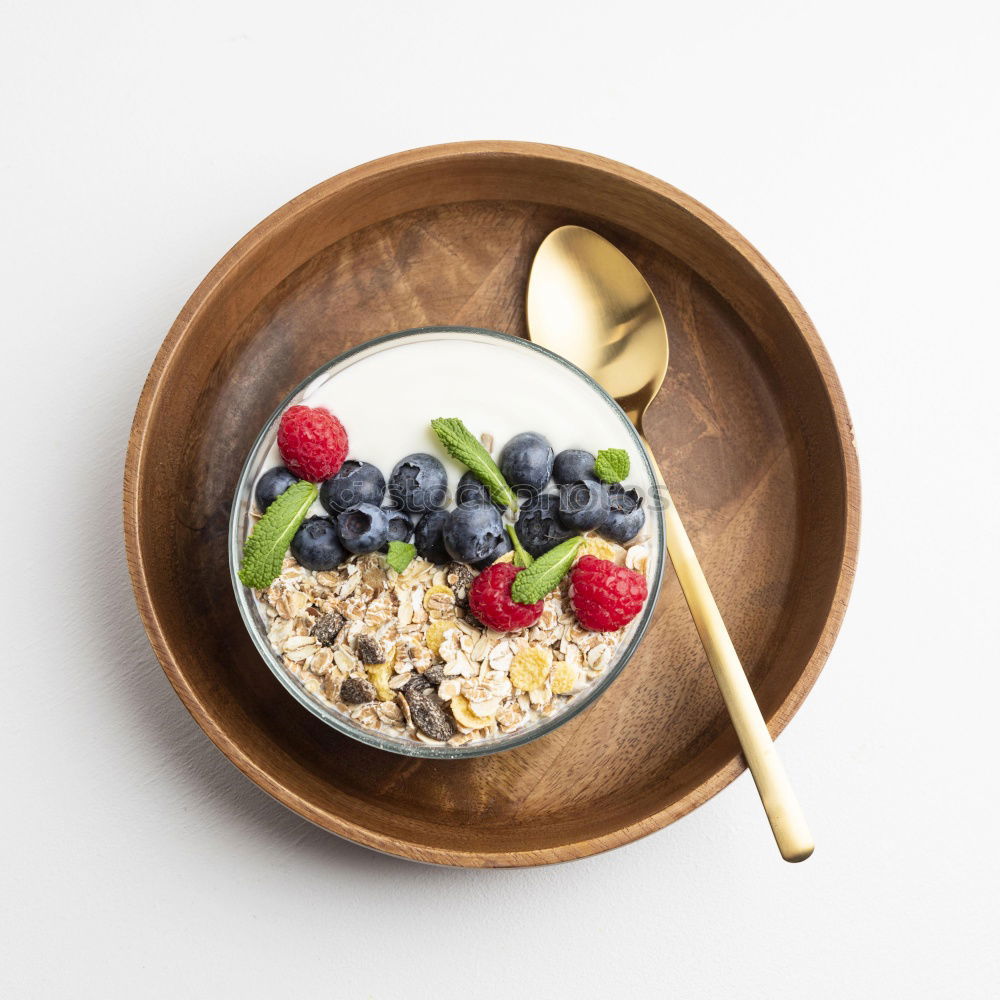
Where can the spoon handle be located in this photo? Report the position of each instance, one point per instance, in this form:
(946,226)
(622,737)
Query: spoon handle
(788,824)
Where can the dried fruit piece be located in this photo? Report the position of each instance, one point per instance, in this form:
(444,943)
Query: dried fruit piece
(466,717)
(415,685)
(328,627)
(356,691)
(369,650)
(530,667)
(459,577)
(435,674)
(435,634)
(563,678)
(428,714)
(379,674)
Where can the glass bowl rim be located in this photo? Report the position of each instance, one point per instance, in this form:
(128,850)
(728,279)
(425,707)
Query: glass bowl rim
(416,748)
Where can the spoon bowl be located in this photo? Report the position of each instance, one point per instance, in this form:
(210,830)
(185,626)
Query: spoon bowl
(592,306)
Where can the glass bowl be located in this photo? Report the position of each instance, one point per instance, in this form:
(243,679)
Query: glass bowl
(642,478)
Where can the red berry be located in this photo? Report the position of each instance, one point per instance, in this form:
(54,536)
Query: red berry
(605,596)
(491,603)
(312,442)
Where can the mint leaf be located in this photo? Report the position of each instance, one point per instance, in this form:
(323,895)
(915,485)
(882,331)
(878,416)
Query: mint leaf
(612,465)
(521,555)
(544,574)
(463,447)
(400,555)
(264,551)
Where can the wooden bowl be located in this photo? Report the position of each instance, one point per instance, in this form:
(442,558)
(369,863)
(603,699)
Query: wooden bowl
(751,430)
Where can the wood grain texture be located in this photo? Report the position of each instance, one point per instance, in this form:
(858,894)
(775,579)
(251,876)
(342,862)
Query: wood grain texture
(751,430)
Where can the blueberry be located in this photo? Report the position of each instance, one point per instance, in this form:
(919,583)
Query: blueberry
(418,484)
(526,461)
(538,525)
(626,516)
(573,465)
(316,544)
(583,504)
(271,485)
(428,537)
(472,490)
(400,526)
(472,532)
(504,545)
(356,482)
(363,528)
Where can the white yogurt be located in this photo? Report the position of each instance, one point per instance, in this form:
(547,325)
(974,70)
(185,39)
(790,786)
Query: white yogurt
(387,399)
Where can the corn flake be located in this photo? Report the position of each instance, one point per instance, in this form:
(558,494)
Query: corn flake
(530,667)
(464,715)
(563,678)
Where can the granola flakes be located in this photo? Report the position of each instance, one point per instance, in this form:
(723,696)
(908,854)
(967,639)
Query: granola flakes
(402,654)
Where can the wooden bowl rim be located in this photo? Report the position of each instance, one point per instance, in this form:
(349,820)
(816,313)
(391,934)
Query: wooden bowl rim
(286,216)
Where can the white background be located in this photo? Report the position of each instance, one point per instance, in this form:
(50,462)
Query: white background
(855,144)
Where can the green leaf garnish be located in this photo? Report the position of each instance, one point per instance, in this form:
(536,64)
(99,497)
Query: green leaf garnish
(400,555)
(544,574)
(612,465)
(264,551)
(522,557)
(463,447)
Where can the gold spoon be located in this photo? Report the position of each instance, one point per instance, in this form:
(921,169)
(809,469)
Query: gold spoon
(588,302)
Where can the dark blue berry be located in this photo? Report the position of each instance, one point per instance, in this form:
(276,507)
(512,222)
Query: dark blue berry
(626,516)
(356,482)
(363,528)
(472,532)
(316,545)
(471,490)
(271,485)
(428,537)
(538,525)
(418,484)
(504,545)
(583,504)
(572,465)
(526,461)
(400,525)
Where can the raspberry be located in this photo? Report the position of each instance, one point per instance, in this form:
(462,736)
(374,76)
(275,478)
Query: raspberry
(491,603)
(312,442)
(605,596)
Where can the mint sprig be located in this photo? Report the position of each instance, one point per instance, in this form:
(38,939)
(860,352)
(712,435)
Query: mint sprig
(400,555)
(544,574)
(463,447)
(264,551)
(612,465)
(522,557)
